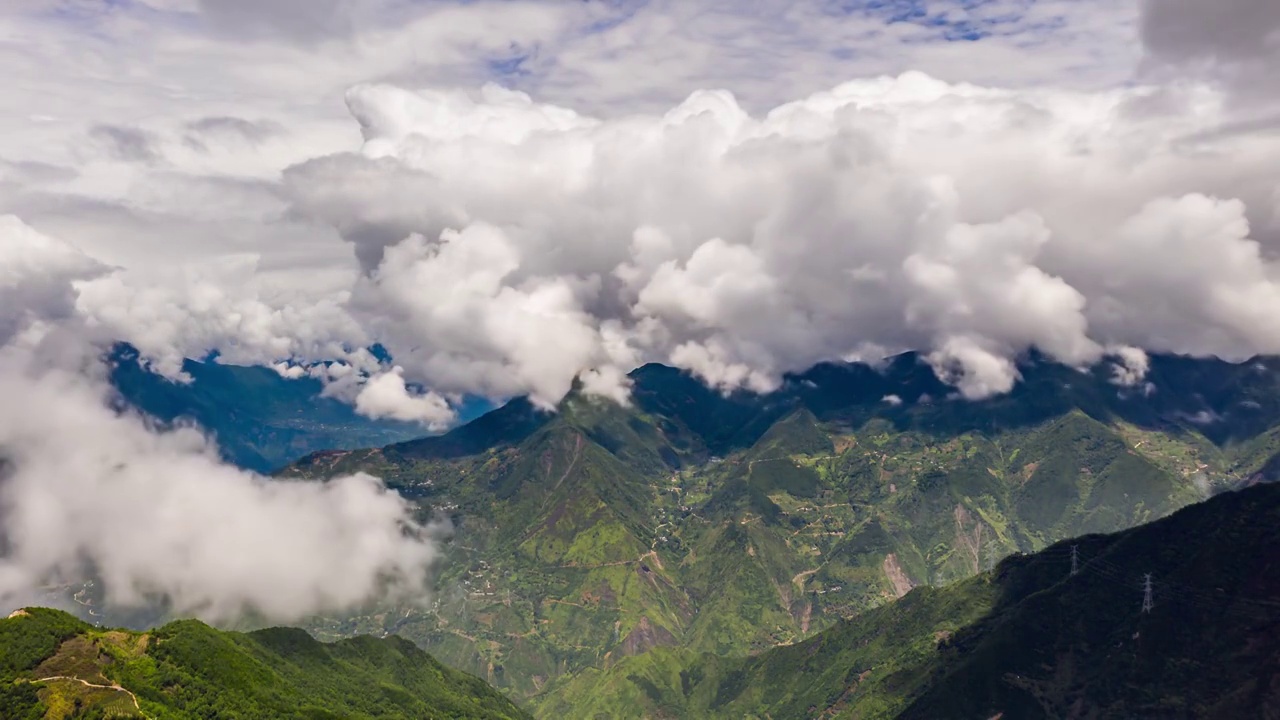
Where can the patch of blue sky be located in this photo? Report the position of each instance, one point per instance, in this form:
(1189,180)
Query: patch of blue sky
(947,20)
(617,12)
(511,66)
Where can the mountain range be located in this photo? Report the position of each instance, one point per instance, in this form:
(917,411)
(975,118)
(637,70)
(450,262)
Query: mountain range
(667,557)
(693,522)
(1178,618)
(259,419)
(1039,636)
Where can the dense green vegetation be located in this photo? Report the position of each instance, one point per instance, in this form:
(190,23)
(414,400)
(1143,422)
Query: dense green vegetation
(604,555)
(54,666)
(27,638)
(1026,640)
(697,523)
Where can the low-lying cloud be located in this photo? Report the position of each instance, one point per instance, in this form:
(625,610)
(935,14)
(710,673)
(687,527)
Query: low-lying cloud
(155,516)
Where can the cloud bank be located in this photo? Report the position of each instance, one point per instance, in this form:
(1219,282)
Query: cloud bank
(88,491)
(498,246)
(507,246)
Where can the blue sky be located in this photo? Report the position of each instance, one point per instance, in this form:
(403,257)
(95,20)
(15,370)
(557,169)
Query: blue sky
(625,55)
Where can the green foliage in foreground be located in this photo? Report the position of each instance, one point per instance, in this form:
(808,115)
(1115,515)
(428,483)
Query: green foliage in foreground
(57,667)
(1027,640)
(25,640)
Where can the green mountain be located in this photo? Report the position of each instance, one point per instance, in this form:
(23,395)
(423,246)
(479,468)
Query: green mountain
(1029,639)
(696,523)
(259,420)
(54,666)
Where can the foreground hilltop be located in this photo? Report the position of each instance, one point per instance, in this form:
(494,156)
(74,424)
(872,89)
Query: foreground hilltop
(691,521)
(1028,640)
(55,666)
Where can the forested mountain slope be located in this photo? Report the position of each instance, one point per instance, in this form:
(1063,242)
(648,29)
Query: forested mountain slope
(1030,639)
(731,524)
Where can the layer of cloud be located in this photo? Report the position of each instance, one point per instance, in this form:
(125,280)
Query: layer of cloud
(743,247)
(503,246)
(156,517)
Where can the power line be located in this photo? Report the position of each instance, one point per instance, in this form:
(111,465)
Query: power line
(1183,594)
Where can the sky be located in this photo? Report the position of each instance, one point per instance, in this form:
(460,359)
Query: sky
(511,195)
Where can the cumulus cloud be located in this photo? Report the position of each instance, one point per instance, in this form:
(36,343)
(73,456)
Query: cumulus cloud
(1130,366)
(385,395)
(36,272)
(970,223)
(452,312)
(155,516)
(503,246)
(228,306)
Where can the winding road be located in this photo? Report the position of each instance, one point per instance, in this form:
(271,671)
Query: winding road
(86,683)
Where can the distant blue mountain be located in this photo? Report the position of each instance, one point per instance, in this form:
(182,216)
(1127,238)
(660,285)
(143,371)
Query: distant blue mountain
(259,420)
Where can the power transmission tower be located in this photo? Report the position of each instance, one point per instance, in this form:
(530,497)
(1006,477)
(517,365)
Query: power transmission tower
(1075,559)
(1146,593)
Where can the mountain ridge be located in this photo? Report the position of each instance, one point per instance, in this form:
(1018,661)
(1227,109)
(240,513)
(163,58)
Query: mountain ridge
(699,521)
(693,521)
(1029,639)
(259,420)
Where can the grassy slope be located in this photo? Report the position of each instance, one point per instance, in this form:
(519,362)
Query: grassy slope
(54,666)
(1028,639)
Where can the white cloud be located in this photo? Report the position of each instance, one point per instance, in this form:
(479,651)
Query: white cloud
(385,395)
(36,272)
(289,372)
(504,246)
(972,367)
(229,305)
(156,516)
(1131,366)
(864,217)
